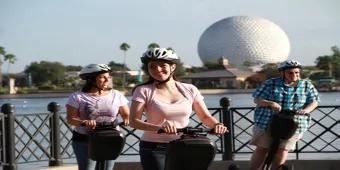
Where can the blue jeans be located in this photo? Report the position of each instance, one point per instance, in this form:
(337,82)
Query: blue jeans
(80,149)
(152,155)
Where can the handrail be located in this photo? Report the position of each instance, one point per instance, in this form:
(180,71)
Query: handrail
(33,134)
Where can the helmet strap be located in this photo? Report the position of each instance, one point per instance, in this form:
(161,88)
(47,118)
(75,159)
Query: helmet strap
(100,90)
(166,80)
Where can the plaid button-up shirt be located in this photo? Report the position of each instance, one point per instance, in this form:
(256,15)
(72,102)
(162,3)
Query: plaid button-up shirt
(290,98)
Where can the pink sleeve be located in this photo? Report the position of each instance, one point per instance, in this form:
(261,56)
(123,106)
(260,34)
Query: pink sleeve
(73,101)
(197,96)
(139,94)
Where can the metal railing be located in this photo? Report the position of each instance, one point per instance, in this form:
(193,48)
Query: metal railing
(321,137)
(35,137)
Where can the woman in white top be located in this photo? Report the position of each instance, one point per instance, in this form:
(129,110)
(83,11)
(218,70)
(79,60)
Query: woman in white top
(168,105)
(96,102)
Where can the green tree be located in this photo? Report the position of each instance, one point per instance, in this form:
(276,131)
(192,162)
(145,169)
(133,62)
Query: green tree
(117,66)
(153,45)
(2,53)
(330,63)
(46,73)
(270,70)
(73,68)
(248,63)
(124,47)
(180,70)
(11,59)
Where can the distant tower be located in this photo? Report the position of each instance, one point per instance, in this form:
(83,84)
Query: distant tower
(244,39)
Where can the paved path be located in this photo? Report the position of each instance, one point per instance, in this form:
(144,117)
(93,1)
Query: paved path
(64,167)
(222,165)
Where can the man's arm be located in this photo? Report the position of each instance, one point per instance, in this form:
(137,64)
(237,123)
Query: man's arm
(267,103)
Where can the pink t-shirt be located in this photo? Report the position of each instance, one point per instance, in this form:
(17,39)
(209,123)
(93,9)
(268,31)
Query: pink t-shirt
(158,111)
(99,108)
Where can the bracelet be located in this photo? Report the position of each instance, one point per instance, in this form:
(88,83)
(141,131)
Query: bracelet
(218,124)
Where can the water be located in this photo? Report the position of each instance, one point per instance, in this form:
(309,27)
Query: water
(38,105)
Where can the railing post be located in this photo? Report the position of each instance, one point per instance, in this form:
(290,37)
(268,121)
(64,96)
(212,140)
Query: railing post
(9,133)
(55,159)
(228,138)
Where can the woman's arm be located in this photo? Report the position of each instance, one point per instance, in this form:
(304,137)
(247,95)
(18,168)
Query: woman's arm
(73,118)
(124,112)
(136,112)
(204,115)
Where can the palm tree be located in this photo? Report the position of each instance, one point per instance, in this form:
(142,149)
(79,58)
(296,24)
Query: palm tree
(11,59)
(153,45)
(2,53)
(124,47)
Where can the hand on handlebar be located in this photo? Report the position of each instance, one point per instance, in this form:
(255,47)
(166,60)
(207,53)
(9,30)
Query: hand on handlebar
(91,124)
(169,127)
(192,131)
(276,107)
(125,122)
(220,129)
(302,112)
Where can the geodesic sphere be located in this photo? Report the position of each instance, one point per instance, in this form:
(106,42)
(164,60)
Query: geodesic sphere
(244,38)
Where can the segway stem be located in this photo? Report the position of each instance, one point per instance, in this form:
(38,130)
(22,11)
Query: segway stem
(271,153)
(282,126)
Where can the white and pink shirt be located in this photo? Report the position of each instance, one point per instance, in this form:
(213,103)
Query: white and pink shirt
(158,111)
(100,108)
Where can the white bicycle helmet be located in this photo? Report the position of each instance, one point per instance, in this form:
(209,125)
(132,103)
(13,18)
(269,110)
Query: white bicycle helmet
(288,64)
(159,54)
(93,69)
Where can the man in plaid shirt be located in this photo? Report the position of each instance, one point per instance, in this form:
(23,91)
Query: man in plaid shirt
(287,92)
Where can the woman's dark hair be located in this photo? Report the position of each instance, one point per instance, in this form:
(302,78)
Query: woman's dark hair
(90,81)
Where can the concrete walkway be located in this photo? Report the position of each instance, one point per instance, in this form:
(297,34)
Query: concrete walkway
(244,165)
(64,167)
(223,165)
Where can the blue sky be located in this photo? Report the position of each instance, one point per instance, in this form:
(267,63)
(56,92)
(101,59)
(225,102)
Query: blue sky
(79,32)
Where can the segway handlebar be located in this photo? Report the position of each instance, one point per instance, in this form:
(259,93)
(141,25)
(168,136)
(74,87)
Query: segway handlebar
(105,125)
(292,113)
(191,130)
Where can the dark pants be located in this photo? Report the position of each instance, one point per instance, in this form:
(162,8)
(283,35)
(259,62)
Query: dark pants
(152,155)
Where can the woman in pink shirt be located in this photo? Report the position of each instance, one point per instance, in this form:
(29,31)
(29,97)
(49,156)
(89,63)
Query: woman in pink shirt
(96,102)
(168,105)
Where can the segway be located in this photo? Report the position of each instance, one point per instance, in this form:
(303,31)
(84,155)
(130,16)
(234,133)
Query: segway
(281,127)
(193,151)
(105,143)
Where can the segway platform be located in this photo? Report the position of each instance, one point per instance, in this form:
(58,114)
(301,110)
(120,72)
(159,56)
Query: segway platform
(190,153)
(106,144)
